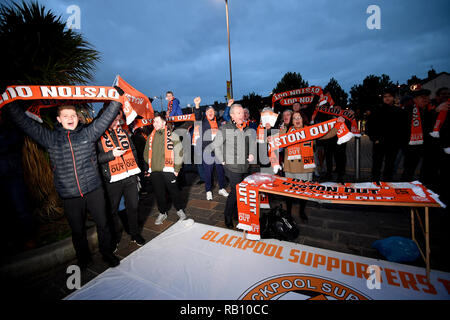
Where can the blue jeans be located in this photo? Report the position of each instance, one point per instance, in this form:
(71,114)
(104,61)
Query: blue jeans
(208,173)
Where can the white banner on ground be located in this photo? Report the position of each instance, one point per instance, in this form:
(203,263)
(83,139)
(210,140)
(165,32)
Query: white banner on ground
(201,262)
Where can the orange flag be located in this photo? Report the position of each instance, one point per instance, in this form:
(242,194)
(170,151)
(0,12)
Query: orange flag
(139,104)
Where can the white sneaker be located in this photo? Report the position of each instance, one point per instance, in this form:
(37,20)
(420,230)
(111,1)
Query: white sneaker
(161,218)
(223,192)
(181,214)
(209,195)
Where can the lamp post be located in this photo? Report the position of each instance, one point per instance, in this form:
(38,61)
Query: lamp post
(160,98)
(229,49)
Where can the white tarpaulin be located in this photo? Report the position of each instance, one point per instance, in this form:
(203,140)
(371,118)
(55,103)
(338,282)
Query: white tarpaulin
(202,262)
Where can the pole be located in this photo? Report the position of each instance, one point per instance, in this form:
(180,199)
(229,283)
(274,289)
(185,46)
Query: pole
(229,49)
(357,154)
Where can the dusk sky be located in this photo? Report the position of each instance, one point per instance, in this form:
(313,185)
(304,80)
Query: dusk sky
(181,45)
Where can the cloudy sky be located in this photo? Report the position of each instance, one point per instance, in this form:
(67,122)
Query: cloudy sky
(181,45)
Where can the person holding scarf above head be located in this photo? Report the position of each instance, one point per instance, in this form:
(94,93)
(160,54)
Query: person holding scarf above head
(421,120)
(209,128)
(71,148)
(299,158)
(235,146)
(163,154)
(118,160)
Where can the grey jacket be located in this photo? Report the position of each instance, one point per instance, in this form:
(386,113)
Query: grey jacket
(233,146)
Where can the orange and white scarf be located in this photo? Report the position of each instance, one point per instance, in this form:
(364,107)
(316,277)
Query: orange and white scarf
(442,116)
(124,166)
(169,155)
(302,151)
(416,137)
(305,134)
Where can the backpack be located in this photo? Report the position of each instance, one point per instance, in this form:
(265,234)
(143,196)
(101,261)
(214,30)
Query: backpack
(278,224)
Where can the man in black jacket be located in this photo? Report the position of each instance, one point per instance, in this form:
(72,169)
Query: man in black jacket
(73,156)
(119,165)
(387,128)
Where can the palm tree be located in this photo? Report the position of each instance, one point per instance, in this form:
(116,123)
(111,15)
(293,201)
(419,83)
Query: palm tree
(38,50)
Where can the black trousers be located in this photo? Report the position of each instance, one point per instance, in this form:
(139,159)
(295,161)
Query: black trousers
(388,153)
(231,204)
(164,184)
(75,210)
(338,152)
(129,190)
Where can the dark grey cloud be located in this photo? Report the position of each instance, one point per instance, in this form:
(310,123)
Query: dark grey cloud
(182,45)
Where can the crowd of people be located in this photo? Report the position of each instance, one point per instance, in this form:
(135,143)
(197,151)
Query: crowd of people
(96,165)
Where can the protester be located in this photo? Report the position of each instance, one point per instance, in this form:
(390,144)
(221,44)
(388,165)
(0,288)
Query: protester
(386,127)
(286,118)
(265,130)
(299,158)
(252,124)
(173,105)
(236,148)
(71,148)
(139,138)
(442,95)
(421,120)
(209,128)
(119,164)
(164,156)
(226,113)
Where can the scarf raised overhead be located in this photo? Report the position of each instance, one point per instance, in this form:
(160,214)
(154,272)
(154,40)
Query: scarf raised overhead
(125,165)
(311,91)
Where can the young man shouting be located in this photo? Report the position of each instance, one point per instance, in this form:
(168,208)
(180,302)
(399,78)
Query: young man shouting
(73,157)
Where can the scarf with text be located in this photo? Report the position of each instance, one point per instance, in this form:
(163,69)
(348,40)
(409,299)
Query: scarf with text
(416,137)
(383,193)
(51,96)
(124,166)
(302,151)
(295,137)
(333,110)
(169,155)
(311,91)
(214,127)
(139,103)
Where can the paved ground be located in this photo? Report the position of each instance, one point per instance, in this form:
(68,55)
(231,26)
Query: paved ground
(343,228)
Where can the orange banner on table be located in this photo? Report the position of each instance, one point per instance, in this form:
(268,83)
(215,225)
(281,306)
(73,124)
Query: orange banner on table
(350,193)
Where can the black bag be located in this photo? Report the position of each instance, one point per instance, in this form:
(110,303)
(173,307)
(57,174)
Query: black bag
(278,224)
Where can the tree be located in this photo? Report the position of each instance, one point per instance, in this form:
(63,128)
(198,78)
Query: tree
(339,96)
(367,95)
(253,102)
(37,49)
(290,81)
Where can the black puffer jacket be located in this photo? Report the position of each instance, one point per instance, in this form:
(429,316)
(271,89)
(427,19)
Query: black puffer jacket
(72,153)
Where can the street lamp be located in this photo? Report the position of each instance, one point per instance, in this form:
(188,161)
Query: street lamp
(160,99)
(229,49)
